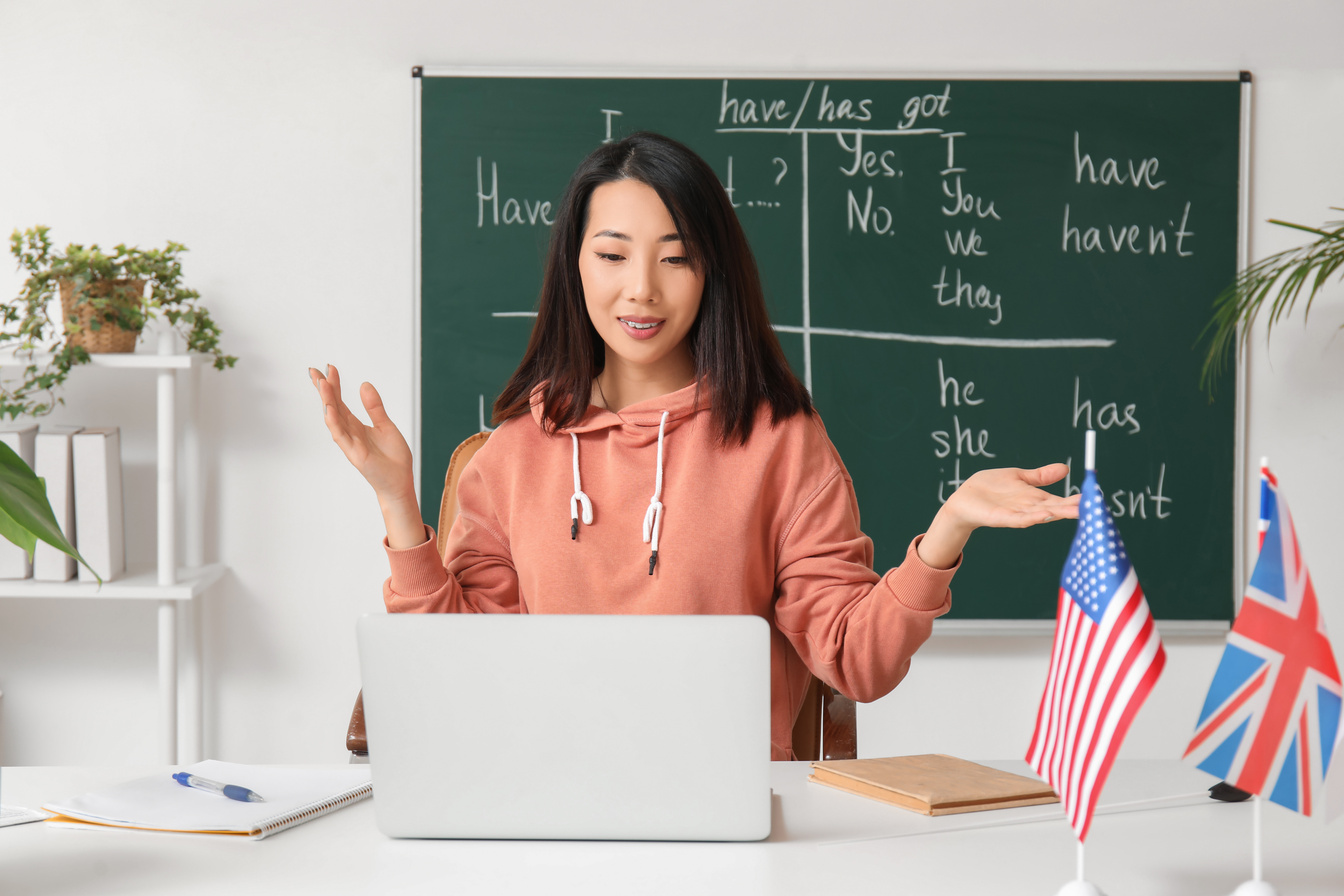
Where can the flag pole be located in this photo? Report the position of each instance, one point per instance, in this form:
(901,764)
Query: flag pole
(1081,886)
(1257,885)
(1256,864)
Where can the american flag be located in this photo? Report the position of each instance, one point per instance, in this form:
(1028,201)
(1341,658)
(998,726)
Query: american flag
(1271,718)
(1107,656)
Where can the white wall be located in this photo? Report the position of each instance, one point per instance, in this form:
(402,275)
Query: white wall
(275,139)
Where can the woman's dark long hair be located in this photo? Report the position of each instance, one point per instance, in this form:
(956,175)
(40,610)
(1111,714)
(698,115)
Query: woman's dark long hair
(737,356)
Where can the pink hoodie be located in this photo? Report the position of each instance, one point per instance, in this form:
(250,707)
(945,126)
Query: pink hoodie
(770,528)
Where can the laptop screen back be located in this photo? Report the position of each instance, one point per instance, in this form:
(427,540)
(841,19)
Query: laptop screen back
(568,727)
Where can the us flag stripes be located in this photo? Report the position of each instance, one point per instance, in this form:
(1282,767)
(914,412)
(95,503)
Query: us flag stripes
(1107,655)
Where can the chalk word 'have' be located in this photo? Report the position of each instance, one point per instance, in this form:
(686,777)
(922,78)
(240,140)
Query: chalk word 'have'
(512,211)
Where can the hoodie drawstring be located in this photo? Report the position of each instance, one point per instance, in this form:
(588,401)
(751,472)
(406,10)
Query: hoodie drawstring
(578,498)
(653,517)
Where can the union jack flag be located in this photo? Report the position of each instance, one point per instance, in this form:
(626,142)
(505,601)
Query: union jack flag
(1270,721)
(1268,486)
(1107,655)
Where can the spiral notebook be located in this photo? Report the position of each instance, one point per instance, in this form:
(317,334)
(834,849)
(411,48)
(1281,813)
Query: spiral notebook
(158,803)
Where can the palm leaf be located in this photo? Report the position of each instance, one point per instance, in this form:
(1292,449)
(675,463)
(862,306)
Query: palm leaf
(25,512)
(1280,279)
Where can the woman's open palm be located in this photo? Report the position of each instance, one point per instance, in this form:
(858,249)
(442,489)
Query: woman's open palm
(379,452)
(1013,498)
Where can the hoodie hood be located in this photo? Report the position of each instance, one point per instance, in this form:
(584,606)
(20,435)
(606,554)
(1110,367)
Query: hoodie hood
(639,422)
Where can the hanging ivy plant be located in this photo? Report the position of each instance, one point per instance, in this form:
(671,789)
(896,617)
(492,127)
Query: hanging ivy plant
(122,289)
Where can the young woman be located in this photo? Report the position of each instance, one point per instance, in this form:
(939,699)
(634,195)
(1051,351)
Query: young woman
(654,454)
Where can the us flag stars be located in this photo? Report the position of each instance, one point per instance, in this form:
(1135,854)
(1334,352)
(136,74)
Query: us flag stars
(1098,563)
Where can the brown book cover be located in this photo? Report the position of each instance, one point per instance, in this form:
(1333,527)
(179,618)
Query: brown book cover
(932,784)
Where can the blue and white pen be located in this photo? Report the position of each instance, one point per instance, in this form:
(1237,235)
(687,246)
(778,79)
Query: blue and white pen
(232,791)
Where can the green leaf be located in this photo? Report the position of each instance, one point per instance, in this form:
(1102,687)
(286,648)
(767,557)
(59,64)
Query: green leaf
(10,529)
(1316,230)
(25,513)
(1280,278)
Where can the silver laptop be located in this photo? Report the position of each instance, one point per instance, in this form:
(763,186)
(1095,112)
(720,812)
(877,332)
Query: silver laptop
(568,727)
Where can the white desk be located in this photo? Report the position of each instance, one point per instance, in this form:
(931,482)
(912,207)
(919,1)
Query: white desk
(1201,847)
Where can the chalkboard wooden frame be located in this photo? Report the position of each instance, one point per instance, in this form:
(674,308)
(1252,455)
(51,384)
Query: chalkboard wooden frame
(981,623)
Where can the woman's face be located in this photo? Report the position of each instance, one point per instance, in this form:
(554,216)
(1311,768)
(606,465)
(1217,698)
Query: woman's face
(641,290)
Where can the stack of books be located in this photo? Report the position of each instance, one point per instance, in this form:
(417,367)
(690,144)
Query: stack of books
(81,467)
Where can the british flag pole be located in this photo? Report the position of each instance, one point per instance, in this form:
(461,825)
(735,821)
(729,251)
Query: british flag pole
(1257,885)
(1334,782)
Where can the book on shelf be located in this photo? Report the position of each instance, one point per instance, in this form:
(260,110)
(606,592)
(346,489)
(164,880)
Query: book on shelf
(99,521)
(159,803)
(932,783)
(14,560)
(53,460)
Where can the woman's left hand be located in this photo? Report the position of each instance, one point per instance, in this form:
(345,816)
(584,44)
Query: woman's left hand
(1005,497)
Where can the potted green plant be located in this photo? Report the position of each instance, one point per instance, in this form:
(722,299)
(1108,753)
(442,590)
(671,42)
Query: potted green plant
(25,512)
(106,300)
(1281,276)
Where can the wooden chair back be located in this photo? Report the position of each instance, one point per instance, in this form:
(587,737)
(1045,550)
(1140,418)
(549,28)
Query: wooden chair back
(448,506)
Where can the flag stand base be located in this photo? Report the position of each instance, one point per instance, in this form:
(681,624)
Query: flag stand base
(1255,888)
(1086,888)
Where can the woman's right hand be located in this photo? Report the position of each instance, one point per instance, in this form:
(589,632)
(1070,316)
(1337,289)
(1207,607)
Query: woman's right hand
(379,452)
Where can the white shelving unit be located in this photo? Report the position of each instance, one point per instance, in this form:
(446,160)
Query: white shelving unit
(174,587)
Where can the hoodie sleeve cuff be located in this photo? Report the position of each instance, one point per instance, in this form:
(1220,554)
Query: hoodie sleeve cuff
(919,586)
(416,571)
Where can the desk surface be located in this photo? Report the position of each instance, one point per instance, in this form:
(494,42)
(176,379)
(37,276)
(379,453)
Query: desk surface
(822,842)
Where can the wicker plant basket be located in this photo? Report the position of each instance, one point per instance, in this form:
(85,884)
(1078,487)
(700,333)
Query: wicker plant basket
(109,337)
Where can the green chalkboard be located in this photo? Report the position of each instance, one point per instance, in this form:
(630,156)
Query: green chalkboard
(966,273)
